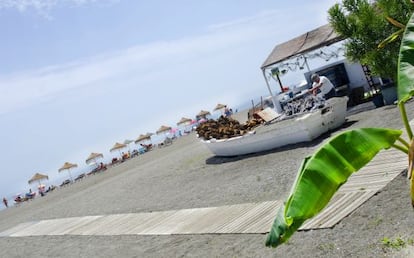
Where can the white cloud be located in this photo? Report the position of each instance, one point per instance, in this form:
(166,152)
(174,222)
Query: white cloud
(263,17)
(23,5)
(44,7)
(25,88)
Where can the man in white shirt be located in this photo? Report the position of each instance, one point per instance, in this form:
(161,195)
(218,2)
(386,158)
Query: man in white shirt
(324,85)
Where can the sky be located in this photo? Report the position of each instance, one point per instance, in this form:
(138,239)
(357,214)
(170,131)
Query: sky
(76,76)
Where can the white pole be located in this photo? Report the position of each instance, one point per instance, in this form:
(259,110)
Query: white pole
(306,63)
(275,100)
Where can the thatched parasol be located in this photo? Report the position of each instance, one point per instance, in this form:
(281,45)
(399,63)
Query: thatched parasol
(118,146)
(203,113)
(219,106)
(67,166)
(184,120)
(163,129)
(38,177)
(93,157)
(143,137)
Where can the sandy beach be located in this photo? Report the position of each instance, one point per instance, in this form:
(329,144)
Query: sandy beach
(186,175)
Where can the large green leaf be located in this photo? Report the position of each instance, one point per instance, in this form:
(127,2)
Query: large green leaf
(406,63)
(393,37)
(322,174)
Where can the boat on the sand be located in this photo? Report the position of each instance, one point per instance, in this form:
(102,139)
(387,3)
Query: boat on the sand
(280,132)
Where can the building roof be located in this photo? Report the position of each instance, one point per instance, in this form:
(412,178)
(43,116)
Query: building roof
(311,40)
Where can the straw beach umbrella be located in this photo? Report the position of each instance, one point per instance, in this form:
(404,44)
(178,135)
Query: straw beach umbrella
(38,178)
(163,129)
(184,121)
(219,106)
(202,115)
(144,140)
(93,158)
(68,166)
(118,146)
(143,137)
(149,135)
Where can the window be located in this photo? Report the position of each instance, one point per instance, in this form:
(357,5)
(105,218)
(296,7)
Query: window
(336,74)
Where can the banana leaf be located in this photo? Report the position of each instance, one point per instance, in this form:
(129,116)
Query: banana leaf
(393,37)
(406,63)
(395,23)
(321,175)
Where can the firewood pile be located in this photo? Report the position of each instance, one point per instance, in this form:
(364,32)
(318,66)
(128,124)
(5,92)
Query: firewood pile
(225,128)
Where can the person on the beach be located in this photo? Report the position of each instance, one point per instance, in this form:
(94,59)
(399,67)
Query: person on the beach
(102,166)
(18,199)
(30,194)
(323,85)
(5,202)
(227,111)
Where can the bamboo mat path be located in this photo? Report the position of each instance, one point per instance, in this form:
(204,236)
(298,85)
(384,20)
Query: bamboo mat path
(232,219)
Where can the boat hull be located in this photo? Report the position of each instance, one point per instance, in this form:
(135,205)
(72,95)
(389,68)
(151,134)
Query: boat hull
(304,128)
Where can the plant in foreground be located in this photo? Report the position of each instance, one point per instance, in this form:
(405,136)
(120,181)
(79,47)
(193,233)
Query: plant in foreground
(396,244)
(321,174)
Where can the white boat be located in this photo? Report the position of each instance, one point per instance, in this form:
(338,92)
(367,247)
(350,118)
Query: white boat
(302,128)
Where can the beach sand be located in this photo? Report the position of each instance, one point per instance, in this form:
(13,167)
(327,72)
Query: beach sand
(186,175)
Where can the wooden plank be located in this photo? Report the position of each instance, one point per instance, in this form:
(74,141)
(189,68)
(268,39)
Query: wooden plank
(54,226)
(116,224)
(38,229)
(213,222)
(249,217)
(268,114)
(250,220)
(61,226)
(337,210)
(141,221)
(173,223)
(83,221)
(203,221)
(154,227)
(22,226)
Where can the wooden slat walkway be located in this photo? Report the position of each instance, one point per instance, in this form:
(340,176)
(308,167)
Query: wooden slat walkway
(241,218)
(232,219)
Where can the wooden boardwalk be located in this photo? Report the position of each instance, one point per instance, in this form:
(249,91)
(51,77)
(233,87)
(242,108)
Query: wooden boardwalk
(232,219)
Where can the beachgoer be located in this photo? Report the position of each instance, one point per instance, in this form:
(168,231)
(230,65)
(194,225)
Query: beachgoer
(124,156)
(323,85)
(102,166)
(42,190)
(18,199)
(227,112)
(5,202)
